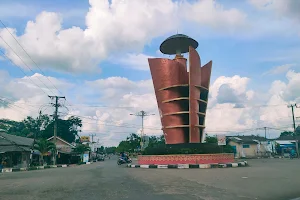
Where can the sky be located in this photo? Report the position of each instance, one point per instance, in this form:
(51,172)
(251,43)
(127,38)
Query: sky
(95,54)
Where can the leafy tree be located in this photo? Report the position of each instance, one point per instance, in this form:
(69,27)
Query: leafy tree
(43,127)
(66,129)
(35,126)
(29,127)
(44,146)
(132,142)
(110,150)
(80,149)
(211,139)
(13,127)
(286,133)
(102,149)
(124,146)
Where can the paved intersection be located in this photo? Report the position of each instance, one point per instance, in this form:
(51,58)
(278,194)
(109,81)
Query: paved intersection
(263,179)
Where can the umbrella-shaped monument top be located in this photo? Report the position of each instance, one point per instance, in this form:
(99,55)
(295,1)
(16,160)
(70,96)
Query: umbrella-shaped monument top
(177,44)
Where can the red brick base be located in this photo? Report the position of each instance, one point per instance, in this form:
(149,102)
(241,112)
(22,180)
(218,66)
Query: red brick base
(185,159)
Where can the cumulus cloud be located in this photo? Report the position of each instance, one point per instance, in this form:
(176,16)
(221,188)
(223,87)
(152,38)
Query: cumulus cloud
(213,14)
(111,27)
(232,106)
(229,90)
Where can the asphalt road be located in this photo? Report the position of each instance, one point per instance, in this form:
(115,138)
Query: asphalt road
(264,179)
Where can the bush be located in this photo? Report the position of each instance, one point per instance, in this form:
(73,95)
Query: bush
(197,148)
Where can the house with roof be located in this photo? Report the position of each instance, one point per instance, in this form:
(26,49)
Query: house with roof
(65,154)
(251,146)
(15,151)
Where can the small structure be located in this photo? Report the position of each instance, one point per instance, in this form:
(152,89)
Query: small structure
(251,146)
(284,144)
(15,151)
(64,150)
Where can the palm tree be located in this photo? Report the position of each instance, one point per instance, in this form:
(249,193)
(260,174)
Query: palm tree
(80,149)
(44,146)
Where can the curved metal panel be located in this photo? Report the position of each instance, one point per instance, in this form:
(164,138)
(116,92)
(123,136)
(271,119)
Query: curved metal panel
(194,80)
(166,73)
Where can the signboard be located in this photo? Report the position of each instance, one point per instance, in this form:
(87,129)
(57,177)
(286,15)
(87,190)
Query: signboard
(85,139)
(86,157)
(221,139)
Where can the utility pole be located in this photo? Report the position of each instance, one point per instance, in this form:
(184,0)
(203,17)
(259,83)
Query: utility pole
(56,105)
(92,135)
(142,114)
(93,148)
(294,126)
(265,132)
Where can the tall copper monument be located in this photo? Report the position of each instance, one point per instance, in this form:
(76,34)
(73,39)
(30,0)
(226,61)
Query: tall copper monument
(181,94)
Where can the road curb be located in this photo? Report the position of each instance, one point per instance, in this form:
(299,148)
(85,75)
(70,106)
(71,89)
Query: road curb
(191,166)
(5,170)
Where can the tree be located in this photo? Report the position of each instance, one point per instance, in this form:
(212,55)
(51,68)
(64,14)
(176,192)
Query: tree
(131,143)
(110,150)
(123,146)
(13,127)
(66,129)
(44,146)
(102,149)
(286,133)
(80,149)
(211,139)
(35,126)
(43,127)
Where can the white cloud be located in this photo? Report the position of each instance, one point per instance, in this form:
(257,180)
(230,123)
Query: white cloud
(232,89)
(134,61)
(213,14)
(122,97)
(280,69)
(114,27)
(282,8)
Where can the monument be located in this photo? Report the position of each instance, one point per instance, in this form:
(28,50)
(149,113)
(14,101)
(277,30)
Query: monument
(182,93)
(181,90)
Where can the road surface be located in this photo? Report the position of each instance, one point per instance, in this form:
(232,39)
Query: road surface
(264,179)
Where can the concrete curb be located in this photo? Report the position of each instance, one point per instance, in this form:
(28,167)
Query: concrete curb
(31,168)
(191,166)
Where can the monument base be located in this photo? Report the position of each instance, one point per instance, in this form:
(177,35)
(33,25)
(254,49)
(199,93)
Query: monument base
(185,159)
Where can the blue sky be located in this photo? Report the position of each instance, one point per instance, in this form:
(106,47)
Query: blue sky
(246,39)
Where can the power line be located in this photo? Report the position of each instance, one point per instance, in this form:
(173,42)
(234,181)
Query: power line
(12,104)
(25,64)
(292,106)
(30,57)
(22,71)
(127,125)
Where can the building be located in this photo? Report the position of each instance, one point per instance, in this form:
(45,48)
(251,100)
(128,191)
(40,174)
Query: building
(251,146)
(284,144)
(15,151)
(64,149)
(181,95)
